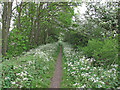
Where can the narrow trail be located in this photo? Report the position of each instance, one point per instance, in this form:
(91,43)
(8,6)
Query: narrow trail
(55,81)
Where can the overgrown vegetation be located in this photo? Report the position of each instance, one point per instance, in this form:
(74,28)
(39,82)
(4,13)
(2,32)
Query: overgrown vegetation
(34,24)
(80,72)
(34,69)
(105,52)
(90,44)
(97,36)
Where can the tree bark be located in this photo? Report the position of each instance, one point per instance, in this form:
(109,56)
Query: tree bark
(37,28)
(19,15)
(6,17)
(31,36)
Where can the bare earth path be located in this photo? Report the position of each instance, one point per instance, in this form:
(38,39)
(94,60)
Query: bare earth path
(55,81)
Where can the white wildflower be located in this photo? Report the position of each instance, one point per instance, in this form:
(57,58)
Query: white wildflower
(25,78)
(17,73)
(13,82)
(75,84)
(7,78)
(99,86)
(83,86)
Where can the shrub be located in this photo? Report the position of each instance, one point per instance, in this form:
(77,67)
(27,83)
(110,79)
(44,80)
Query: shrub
(105,52)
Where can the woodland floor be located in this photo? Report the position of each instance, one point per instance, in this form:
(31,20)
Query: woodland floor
(55,80)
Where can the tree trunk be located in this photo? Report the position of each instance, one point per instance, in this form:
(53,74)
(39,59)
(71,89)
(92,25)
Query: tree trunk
(37,30)
(6,17)
(19,15)
(31,36)
(31,32)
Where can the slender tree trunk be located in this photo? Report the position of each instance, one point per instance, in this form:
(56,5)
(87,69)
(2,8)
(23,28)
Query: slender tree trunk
(18,23)
(37,30)
(19,15)
(6,17)
(31,36)
(31,32)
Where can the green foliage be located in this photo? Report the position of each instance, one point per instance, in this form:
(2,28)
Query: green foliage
(34,25)
(104,14)
(105,52)
(17,44)
(31,70)
(78,71)
(52,39)
(76,38)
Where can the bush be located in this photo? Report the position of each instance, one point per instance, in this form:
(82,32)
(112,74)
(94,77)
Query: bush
(105,52)
(92,47)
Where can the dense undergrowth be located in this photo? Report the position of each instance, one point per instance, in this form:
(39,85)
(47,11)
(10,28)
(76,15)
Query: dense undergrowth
(32,69)
(104,52)
(79,71)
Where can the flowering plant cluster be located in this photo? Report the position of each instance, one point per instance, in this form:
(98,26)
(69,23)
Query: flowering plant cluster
(31,70)
(80,73)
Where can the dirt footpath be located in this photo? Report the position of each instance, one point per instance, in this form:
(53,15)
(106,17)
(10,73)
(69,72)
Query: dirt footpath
(55,81)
